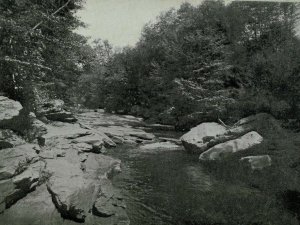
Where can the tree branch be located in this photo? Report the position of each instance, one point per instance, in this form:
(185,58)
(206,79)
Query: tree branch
(53,14)
(8,59)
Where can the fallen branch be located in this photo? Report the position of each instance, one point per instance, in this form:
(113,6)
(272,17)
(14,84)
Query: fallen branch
(53,14)
(228,127)
(8,59)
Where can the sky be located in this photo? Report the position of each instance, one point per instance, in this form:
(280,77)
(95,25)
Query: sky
(121,21)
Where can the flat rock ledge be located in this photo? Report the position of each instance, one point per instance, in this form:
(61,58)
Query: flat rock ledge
(64,176)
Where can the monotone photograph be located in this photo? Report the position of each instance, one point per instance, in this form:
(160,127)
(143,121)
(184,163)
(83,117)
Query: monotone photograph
(149,112)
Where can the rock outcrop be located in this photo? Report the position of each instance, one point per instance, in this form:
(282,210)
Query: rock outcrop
(240,144)
(62,173)
(54,110)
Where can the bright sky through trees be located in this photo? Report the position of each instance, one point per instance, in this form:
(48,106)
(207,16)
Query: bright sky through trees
(121,21)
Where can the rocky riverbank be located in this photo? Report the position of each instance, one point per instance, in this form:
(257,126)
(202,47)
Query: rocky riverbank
(56,171)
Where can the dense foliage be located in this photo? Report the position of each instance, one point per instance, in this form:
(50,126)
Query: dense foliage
(206,62)
(194,64)
(38,50)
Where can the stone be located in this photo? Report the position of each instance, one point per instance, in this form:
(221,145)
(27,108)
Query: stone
(197,139)
(15,160)
(258,162)
(108,203)
(74,187)
(9,111)
(97,141)
(93,140)
(20,185)
(174,140)
(142,135)
(8,139)
(51,106)
(83,147)
(71,193)
(240,144)
(161,146)
(37,128)
(37,208)
(62,116)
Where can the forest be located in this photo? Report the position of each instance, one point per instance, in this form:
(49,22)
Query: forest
(194,64)
(219,81)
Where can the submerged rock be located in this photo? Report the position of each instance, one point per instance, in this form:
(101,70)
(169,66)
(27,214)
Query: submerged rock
(258,162)
(108,203)
(197,139)
(240,144)
(161,146)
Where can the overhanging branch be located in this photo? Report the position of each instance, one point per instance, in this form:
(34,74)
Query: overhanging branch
(8,59)
(53,14)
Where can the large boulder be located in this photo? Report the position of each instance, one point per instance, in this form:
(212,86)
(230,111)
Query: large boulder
(240,144)
(9,111)
(197,139)
(207,135)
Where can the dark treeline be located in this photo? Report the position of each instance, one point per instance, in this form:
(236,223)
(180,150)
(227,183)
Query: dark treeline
(194,64)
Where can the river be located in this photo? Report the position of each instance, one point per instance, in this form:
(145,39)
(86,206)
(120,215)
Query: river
(174,188)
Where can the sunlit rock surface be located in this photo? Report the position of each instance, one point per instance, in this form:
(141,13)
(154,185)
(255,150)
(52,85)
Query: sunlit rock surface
(240,144)
(197,139)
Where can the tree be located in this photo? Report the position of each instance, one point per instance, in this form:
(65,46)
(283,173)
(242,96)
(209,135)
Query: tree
(35,38)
